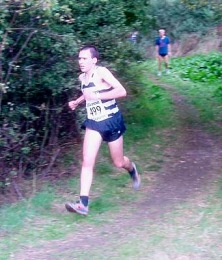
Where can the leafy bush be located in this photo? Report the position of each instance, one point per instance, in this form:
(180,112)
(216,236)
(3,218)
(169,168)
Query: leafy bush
(202,68)
(179,18)
(218,93)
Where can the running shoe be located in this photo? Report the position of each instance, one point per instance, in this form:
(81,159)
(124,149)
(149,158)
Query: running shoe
(77,207)
(136,178)
(159,74)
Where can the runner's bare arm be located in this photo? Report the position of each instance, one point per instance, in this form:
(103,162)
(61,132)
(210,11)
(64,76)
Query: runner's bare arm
(169,49)
(157,50)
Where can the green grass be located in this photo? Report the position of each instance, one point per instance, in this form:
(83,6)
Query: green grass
(151,105)
(190,229)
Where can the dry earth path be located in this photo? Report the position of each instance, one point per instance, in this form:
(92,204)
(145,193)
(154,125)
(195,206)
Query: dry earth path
(192,162)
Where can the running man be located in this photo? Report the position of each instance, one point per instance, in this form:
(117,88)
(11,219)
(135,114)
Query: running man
(104,122)
(163,51)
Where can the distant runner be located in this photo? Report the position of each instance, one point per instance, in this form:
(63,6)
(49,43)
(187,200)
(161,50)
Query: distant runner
(134,37)
(163,51)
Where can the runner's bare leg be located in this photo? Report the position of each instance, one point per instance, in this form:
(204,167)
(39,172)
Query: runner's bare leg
(116,153)
(91,145)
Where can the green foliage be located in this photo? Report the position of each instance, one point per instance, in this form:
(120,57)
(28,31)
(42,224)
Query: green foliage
(178,18)
(107,24)
(36,73)
(195,4)
(218,93)
(202,68)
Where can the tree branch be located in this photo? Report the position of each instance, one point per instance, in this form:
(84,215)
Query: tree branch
(17,56)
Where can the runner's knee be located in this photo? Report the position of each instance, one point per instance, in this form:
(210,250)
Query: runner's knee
(118,163)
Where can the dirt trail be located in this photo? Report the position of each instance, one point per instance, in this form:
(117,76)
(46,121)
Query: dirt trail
(193,161)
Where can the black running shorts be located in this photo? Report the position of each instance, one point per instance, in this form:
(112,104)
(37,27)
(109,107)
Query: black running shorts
(110,129)
(163,54)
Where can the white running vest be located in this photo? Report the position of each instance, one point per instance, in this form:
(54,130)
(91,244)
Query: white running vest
(98,109)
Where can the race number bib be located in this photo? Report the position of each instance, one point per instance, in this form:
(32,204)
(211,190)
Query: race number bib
(96,110)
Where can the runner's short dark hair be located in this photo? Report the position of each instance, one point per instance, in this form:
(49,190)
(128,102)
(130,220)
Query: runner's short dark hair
(93,50)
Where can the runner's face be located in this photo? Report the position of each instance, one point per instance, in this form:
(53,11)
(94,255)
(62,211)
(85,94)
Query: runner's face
(86,62)
(162,33)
